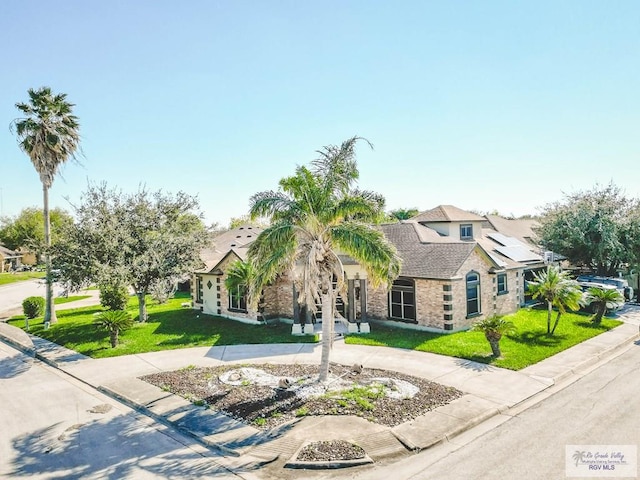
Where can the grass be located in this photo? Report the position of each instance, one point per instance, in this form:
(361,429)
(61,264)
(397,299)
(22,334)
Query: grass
(529,345)
(7,278)
(169,327)
(72,298)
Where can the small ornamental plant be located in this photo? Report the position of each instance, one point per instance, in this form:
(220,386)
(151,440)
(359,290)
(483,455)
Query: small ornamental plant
(494,328)
(114,321)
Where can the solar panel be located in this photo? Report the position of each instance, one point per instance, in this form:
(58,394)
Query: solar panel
(504,240)
(499,262)
(519,254)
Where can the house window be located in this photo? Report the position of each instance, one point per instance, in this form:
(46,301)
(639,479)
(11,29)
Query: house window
(473,294)
(466,231)
(502,283)
(238,299)
(402,300)
(198,289)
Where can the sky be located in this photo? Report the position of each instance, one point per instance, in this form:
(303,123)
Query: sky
(486,105)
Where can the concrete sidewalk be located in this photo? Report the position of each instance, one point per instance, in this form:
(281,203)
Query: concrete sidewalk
(488,390)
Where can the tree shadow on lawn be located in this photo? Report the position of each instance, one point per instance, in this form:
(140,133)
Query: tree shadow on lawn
(75,334)
(190,327)
(592,326)
(539,338)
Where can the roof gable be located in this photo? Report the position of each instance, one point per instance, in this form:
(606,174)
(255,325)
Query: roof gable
(426,260)
(447,213)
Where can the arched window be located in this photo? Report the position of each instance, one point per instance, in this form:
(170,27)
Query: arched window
(402,300)
(473,294)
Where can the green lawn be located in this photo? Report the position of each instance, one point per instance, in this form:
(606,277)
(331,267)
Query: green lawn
(69,299)
(6,278)
(529,345)
(169,327)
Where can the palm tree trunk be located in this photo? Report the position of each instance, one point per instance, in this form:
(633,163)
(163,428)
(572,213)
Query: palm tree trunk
(327,324)
(495,348)
(142,307)
(597,318)
(549,310)
(556,322)
(114,338)
(49,310)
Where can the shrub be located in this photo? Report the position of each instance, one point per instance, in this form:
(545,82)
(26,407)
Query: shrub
(33,306)
(114,297)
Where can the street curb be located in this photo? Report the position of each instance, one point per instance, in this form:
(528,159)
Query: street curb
(595,359)
(463,427)
(148,412)
(11,340)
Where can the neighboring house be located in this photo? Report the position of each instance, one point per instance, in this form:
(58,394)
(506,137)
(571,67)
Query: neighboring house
(9,260)
(458,267)
(28,256)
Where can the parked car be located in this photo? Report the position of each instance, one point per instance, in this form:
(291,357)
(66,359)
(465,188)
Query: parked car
(619,283)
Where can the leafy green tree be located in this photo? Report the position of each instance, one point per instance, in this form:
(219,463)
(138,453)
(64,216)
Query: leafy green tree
(403,213)
(138,240)
(602,299)
(588,228)
(49,134)
(27,228)
(244,219)
(114,321)
(558,290)
(114,296)
(315,215)
(494,327)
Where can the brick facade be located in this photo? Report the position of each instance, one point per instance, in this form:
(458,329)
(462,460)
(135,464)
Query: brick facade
(442,304)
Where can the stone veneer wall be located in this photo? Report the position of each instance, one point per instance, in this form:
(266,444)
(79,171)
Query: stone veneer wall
(278,298)
(215,296)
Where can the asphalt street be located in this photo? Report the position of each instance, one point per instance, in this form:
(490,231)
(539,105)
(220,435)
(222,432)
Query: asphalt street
(602,408)
(12,295)
(54,427)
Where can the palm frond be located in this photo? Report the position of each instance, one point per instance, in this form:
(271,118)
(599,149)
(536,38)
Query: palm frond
(271,254)
(370,248)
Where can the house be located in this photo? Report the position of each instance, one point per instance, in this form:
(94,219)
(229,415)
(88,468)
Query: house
(9,260)
(208,291)
(457,268)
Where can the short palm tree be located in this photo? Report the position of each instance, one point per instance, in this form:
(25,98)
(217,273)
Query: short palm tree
(602,299)
(239,276)
(114,321)
(558,290)
(494,328)
(49,134)
(315,215)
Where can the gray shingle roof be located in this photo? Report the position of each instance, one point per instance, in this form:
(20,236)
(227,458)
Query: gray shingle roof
(237,239)
(426,260)
(520,228)
(447,213)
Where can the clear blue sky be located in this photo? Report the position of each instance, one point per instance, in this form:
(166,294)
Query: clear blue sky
(487,105)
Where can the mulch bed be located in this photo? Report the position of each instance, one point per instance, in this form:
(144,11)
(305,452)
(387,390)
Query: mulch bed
(266,407)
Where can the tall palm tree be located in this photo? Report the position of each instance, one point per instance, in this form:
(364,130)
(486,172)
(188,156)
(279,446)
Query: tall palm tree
(558,290)
(315,214)
(602,299)
(49,134)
